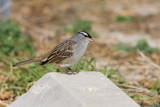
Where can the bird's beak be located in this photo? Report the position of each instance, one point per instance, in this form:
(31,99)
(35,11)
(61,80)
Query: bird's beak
(91,40)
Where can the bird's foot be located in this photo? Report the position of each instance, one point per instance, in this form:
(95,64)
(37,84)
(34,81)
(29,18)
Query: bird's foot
(71,72)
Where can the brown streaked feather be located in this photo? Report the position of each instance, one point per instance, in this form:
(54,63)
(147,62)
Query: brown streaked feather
(61,52)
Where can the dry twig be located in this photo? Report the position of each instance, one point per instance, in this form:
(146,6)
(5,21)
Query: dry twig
(133,89)
(6,95)
(148,60)
(2,103)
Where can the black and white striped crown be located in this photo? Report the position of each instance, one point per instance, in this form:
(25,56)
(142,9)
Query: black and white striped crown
(86,34)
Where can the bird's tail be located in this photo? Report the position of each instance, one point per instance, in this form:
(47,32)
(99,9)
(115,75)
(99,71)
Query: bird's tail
(25,62)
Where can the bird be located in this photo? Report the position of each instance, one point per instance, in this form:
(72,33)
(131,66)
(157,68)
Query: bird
(66,54)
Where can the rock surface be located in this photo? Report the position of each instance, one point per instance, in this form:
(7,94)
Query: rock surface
(86,89)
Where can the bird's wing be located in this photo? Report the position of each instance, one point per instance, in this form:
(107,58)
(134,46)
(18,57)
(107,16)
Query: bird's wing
(60,52)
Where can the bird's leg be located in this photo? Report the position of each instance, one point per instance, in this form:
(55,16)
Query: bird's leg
(71,71)
(61,67)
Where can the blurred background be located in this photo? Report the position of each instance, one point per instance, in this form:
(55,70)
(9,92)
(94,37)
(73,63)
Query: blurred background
(126,47)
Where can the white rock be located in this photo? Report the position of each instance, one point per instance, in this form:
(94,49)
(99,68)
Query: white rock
(86,89)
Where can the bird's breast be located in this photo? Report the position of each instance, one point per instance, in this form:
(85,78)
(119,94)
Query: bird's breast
(79,52)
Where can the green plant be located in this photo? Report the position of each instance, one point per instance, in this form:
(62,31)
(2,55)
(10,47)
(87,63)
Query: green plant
(141,45)
(81,25)
(124,47)
(109,72)
(121,18)
(156,104)
(86,65)
(12,40)
(144,46)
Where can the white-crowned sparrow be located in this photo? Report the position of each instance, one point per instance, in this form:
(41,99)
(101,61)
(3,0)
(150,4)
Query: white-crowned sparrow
(66,53)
